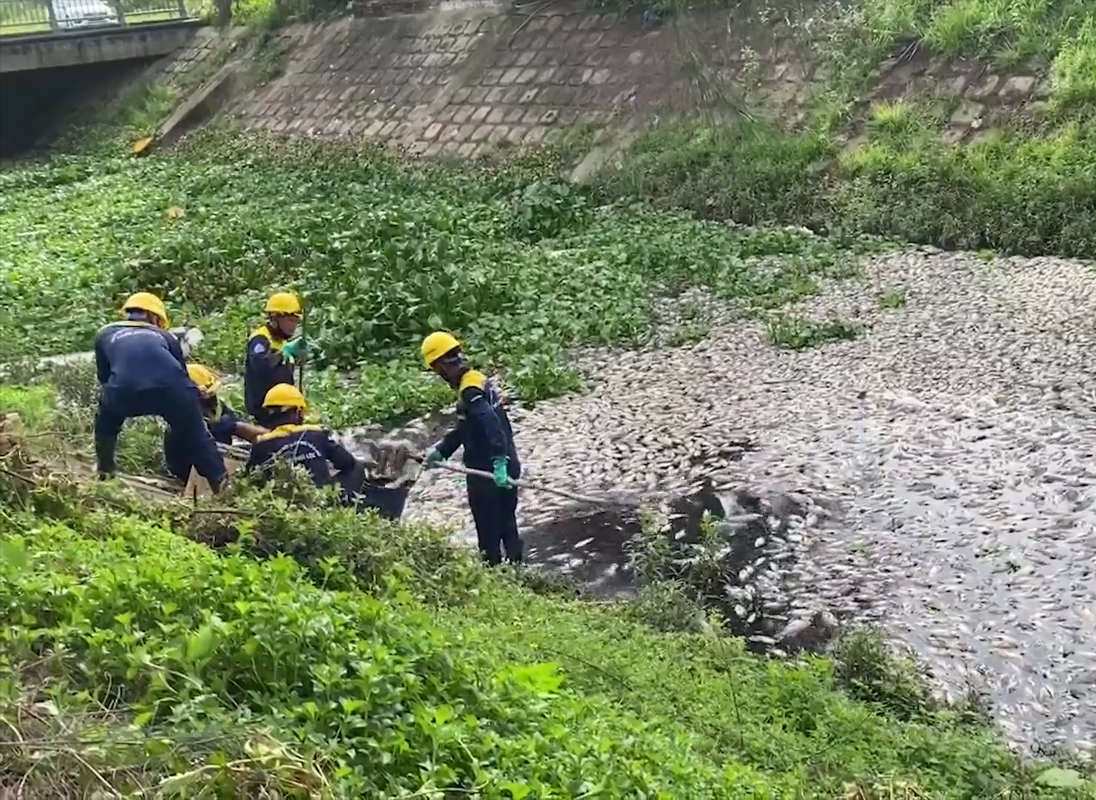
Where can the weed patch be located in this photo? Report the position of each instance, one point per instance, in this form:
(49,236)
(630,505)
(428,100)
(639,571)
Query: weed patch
(892,299)
(799,333)
(1007,31)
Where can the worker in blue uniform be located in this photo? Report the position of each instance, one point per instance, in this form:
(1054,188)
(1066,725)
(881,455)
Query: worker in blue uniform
(309,446)
(272,353)
(142,373)
(223,423)
(483,428)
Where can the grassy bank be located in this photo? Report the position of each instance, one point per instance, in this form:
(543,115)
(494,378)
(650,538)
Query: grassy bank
(1013,194)
(1061,35)
(1025,183)
(381,661)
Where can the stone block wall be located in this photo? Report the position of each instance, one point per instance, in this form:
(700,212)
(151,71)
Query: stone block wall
(460,81)
(207,52)
(473,78)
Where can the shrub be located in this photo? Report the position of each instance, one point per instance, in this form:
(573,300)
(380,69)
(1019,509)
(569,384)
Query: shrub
(352,550)
(139,619)
(751,173)
(1011,194)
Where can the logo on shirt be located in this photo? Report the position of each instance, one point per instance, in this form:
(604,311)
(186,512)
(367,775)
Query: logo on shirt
(151,334)
(490,393)
(298,452)
(258,347)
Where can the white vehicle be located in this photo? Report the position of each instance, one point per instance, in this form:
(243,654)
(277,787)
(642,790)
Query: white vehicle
(77,14)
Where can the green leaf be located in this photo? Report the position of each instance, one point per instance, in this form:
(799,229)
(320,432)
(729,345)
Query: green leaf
(13,552)
(1058,778)
(200,644)
(518,791)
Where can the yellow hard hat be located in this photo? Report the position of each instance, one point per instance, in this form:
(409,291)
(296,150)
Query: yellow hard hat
(284,395)
(283,303)
(437,345)
(145,301)
(204,377)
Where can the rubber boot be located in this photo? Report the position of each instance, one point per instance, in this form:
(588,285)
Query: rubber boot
(517,554)
(104,457)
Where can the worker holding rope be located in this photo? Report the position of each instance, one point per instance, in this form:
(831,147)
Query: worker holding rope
(272,353)
(142,373)
(483,428)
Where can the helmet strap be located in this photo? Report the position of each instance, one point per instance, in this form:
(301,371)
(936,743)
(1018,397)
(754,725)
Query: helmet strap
(137,315)
(274,325)
(287,416)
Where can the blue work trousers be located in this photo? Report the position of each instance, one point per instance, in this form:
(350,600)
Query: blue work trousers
(179,407)
(495,512)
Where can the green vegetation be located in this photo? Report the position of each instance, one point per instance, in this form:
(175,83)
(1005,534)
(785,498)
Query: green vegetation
(62,402)
(266,648)
(172,650)
(798,333)
(521,264)
(1028,186)
(1012,193)
(1010,32)
(893,298)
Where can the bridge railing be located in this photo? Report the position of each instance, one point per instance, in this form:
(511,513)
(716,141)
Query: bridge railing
(26,17)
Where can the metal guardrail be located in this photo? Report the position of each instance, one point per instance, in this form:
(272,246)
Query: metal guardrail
(28,17)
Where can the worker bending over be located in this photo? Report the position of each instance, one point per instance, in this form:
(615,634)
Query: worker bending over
(222,421)
(142,373)
(308,446)
(483,427)
(271,355)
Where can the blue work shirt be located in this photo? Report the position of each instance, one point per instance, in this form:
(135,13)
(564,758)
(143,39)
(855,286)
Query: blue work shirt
(221,420)
(264,368)
(483,427)
(308,446)
(136,356)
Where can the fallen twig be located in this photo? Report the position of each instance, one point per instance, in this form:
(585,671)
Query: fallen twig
(16,475)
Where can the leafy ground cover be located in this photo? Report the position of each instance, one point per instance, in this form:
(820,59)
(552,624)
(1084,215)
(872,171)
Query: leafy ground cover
(157,651)
(520,264)
(1013,194)
(1028,187)
(1010,32)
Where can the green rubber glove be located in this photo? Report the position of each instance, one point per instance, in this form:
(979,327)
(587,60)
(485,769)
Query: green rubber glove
(294,349)
(501,475)
(433,458)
